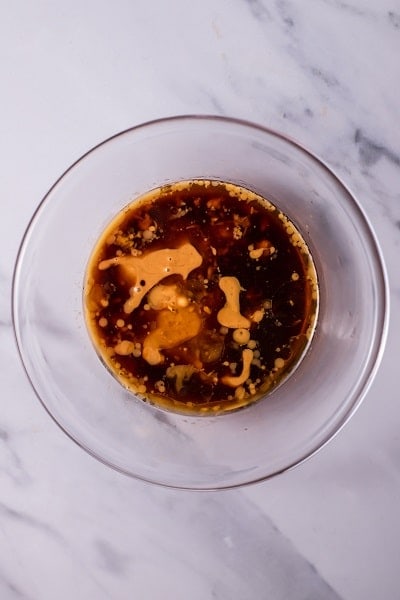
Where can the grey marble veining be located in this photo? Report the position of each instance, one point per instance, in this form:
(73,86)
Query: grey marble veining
(371,152)
(213,545)
(325,72)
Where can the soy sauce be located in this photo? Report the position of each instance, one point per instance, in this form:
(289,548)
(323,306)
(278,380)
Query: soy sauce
(201,296)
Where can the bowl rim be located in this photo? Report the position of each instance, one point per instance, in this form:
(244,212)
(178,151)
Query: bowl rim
(372,361)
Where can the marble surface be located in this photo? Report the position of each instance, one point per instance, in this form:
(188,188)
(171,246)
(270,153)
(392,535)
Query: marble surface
(325,72)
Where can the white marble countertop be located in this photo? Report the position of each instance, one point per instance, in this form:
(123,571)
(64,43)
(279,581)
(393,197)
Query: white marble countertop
(326,72)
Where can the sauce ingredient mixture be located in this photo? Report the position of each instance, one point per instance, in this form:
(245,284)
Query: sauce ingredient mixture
(201,296)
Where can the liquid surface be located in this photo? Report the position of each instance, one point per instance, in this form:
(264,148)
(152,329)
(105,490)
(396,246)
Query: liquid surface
(201,296)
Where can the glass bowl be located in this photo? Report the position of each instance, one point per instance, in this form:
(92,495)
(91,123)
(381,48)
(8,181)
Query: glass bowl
(194,452)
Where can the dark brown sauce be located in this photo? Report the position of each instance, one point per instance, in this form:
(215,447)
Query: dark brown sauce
(181,354)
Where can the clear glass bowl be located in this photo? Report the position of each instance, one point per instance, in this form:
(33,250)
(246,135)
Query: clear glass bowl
(138,439)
